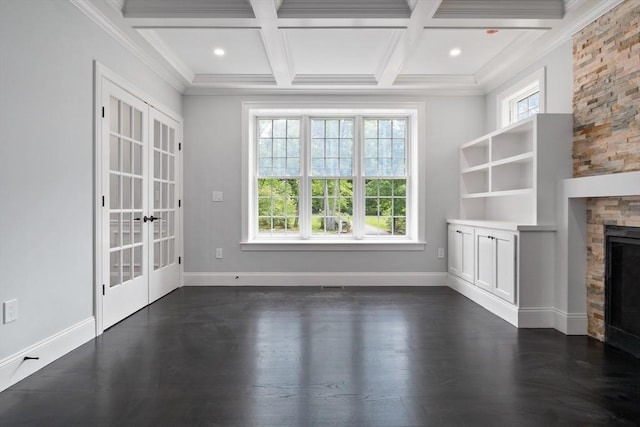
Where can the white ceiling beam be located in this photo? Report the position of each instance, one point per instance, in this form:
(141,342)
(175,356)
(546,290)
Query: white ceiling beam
(407,42)
(274,41)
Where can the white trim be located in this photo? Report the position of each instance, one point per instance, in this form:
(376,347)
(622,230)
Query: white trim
(102,72)
(488,301)
(536,317)
(417,158)
(570,323)
(121,35)
(501,68)
(14,368)
(334,79)
(167,53)
(315,279)
(521,89)
(329,245)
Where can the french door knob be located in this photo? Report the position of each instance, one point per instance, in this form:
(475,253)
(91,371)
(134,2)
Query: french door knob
(150,218)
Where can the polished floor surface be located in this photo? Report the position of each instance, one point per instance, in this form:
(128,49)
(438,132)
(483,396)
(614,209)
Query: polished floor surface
(327,357)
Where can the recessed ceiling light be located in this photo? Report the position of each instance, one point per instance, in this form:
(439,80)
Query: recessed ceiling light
(218,51)
(455,52)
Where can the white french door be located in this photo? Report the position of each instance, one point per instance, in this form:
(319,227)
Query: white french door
(140,237)
(164,273)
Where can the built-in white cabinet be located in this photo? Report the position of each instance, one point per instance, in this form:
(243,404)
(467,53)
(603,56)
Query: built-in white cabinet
(496,262)
(461,252)
(508,182)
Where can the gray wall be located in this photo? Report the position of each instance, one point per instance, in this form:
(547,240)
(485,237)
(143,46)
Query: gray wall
(47,50)
(559,78)
(213,159)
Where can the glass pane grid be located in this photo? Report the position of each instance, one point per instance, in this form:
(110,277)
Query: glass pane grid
(528,106)
(385,207)
(332,147)
(278,147)
(385,152)
(278,207)
(332,207)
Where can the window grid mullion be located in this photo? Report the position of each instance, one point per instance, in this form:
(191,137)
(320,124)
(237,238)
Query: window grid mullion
(358,180)
(305,178)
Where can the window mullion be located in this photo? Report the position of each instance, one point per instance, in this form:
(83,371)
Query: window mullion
(358,180)
(305,179)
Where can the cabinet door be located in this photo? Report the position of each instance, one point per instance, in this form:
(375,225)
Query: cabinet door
(453,258)
(466,260)
(484,259)
(505,266)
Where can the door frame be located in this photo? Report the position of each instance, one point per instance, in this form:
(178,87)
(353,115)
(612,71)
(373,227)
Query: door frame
(102,72)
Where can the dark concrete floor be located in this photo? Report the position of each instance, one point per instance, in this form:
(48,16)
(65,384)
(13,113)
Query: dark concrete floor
(311,357)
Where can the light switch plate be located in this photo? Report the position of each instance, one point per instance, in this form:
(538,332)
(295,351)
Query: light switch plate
(217,196)
(10,310)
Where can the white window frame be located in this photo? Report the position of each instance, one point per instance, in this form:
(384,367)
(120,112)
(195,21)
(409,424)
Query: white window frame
(413,111)
(507,100)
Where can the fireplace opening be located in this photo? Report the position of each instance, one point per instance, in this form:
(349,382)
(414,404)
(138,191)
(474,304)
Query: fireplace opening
(622,287)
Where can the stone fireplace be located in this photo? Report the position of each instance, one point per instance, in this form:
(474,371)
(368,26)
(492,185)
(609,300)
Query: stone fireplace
(603,212)
(606,106)
(622,287)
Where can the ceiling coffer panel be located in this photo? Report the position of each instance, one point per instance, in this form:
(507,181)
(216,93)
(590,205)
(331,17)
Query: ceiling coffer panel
(344,9)
(501,9)
(188,9)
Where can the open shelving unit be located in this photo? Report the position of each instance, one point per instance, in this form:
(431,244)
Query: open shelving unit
(510,175)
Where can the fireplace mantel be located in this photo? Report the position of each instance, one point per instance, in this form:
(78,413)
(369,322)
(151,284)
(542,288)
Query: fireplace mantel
(571,244)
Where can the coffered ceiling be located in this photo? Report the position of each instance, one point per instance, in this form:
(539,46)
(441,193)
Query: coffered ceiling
(346,45)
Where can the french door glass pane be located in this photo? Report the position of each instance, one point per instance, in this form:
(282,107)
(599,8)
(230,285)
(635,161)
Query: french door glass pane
(137,261)
(165,202)
(125,191)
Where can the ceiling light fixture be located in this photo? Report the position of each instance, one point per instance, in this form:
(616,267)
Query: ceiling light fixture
(455,52)
(218,51)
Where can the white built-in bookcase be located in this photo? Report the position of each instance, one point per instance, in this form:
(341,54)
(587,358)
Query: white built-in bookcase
(510,175)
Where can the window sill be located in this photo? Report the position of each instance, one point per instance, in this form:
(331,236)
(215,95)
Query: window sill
(332,245)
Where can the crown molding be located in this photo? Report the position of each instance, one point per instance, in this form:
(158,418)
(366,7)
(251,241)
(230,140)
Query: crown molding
(127,38)
(116,4)
(334,79)
(231,80)
(579,14)
(409,92)
(163,48)
(434,79)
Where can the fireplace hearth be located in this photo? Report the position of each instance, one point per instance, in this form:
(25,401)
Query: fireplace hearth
(622,287)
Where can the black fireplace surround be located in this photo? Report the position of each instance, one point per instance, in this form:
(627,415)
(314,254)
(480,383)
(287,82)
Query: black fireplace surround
(622,288)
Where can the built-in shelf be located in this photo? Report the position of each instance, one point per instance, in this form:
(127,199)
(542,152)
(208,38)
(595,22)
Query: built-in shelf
(511,174)
(476,168)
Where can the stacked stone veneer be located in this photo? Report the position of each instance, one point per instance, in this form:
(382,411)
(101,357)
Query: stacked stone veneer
(606,107)
(601,212)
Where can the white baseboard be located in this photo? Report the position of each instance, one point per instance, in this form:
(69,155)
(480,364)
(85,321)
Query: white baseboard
(523,317)
(14,368)
(315,279)
(536,317)
(495,305)
(571,323)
